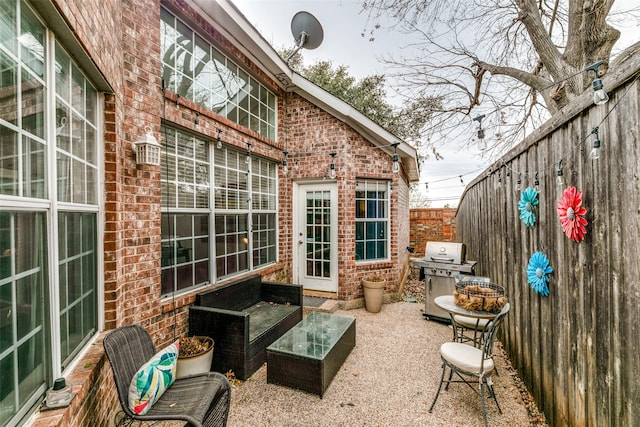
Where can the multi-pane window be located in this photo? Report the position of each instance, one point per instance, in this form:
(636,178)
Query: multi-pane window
(196,70)
(240,203)
(372,220)
(48,276)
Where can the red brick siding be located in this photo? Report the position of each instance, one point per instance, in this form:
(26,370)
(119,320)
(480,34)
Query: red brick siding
(123,40)
(429,224)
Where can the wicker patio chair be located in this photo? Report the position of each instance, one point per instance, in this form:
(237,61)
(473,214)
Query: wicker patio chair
(472,364)
(200,400)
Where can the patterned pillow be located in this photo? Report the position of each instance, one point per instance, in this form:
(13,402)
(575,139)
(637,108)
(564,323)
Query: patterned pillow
(152,379)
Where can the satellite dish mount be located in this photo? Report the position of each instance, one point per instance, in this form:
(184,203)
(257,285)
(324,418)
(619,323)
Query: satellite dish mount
(307,32)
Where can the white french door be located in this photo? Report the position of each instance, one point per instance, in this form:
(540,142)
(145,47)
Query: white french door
(315,230)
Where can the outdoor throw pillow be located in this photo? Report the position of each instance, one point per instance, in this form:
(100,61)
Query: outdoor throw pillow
(153,378)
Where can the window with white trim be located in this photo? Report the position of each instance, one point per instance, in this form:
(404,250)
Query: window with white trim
(49,164)
(219,230)
(372,220)
(196,70)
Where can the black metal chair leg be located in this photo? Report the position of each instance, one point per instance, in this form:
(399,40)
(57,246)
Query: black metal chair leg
(439,388)
(484,406)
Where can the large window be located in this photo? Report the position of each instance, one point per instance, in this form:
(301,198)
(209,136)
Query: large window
(48,210)
(372,220)
(239,204)
(196,70)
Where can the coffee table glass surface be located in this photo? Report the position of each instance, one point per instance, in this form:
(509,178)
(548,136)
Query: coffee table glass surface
(314,336)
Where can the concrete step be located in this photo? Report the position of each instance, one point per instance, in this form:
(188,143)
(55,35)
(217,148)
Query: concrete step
(324,305)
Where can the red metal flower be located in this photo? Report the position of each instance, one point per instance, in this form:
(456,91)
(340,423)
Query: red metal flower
(572,213)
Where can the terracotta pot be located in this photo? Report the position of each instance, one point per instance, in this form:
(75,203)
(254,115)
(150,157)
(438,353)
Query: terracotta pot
(197,363)
(373,295)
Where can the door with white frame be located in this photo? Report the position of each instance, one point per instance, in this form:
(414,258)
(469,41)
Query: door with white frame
(315,243)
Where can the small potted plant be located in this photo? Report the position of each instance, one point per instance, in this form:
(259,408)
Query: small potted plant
(195,356)
(373,287)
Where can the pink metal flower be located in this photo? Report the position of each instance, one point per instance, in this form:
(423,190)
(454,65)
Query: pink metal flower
(572,213)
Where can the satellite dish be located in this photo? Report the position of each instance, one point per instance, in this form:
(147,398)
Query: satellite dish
(307,32)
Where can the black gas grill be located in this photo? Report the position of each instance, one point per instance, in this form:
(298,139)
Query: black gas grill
(442,262)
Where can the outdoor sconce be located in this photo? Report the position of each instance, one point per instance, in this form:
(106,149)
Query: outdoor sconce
(147,149)
(599,95)
(482,144)
(332,167)
(395,168)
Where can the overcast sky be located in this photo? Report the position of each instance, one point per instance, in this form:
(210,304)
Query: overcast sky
(343,44)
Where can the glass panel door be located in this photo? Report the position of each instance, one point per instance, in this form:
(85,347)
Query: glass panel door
(317,236)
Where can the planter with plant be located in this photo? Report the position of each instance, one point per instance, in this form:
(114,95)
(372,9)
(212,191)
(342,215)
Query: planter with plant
(195,356)
(373,287)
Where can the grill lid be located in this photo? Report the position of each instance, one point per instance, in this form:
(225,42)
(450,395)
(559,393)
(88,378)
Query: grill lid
(445,252)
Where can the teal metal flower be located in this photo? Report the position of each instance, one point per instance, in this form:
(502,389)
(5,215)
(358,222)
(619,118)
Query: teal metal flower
(537,272)
(528,200)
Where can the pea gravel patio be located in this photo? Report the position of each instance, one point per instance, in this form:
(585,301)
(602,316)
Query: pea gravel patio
(389,379)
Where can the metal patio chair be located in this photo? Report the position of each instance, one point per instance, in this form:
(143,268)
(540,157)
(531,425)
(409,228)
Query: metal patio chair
(471,364)
(200,400)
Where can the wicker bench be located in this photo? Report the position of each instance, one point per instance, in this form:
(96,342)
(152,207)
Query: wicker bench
(243,318)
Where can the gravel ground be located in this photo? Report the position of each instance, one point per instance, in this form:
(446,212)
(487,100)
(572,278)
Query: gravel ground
(389,379)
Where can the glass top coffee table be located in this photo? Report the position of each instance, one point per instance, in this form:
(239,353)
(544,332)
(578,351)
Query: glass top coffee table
(309,355)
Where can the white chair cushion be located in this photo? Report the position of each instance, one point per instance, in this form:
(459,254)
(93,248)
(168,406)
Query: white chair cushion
(465,357)
(470,322)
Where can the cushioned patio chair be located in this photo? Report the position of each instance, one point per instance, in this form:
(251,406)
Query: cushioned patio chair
(472,365)
(200,400)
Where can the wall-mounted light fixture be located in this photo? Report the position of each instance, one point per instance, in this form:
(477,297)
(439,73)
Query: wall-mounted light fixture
(595,151)
(395,168)
(482,144)
(332,166)
(147,149)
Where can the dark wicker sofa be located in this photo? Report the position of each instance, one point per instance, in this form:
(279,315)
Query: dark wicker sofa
(243,318)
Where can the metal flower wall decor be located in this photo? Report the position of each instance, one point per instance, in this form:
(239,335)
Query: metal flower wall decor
(528,200)
(572,213)
(537,273)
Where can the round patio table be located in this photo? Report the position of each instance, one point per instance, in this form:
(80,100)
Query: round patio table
(462,319)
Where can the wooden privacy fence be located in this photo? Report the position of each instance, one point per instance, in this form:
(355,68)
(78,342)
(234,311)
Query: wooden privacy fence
(577,349)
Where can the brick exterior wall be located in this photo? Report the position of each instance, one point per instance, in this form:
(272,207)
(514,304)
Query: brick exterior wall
(122,39)
(429,224)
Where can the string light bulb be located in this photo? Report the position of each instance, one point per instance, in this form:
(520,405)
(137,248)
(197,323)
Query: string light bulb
(482,144)
(461,181)
(559,177)
(218,140)
(519,183)
(599,95)
(395,168)
(595,151)
(332,167)
(536,183)
(285,167)
(247,158)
